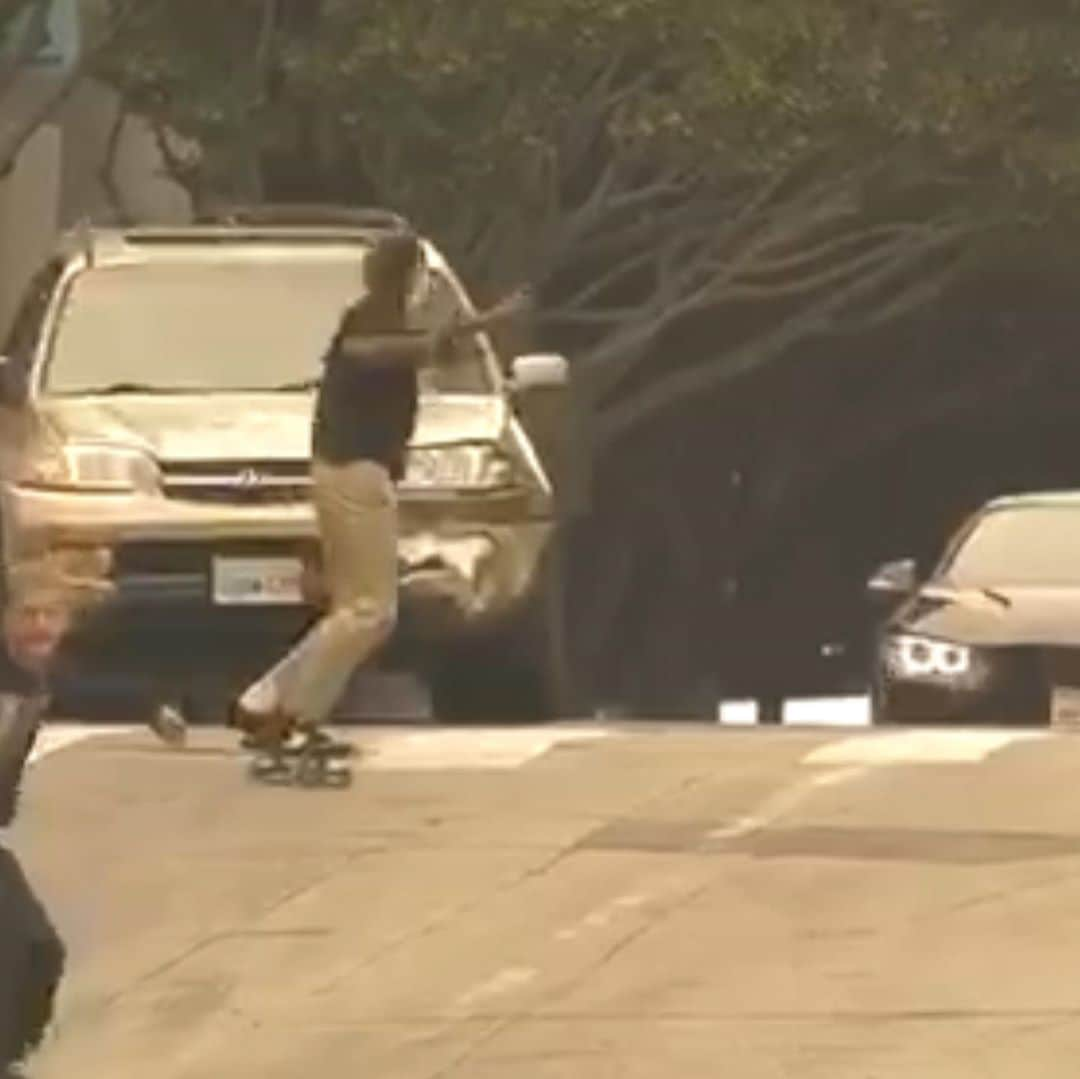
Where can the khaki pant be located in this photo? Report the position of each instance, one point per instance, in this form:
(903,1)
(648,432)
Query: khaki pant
(356,509)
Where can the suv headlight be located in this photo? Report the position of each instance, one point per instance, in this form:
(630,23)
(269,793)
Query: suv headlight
(912,658)
(95,467)
(473,468)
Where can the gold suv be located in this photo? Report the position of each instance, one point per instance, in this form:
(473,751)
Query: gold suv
(157,388)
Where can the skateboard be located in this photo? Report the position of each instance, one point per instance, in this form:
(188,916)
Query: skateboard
(316,760)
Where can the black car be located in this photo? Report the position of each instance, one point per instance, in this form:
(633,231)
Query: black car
(992,634)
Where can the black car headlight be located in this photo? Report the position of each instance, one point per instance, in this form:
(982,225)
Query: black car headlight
(910,658)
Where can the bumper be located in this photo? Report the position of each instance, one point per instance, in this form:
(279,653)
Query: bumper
(1017,692)
(466,562)
(918,704)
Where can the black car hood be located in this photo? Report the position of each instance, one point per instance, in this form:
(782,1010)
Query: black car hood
(1011,616)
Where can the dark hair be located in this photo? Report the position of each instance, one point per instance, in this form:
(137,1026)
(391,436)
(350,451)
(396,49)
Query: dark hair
(390,263)
(387,270)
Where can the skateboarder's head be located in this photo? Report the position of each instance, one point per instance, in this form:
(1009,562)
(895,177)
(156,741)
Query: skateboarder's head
(391,267)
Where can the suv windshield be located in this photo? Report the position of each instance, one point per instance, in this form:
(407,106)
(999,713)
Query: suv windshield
(1032,546)
(253,323)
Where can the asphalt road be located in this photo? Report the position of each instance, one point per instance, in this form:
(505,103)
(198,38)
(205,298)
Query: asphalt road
(582,902)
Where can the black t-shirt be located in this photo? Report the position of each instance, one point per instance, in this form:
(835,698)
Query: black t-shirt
(23,700)
(364,413)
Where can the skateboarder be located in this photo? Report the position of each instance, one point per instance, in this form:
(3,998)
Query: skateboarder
(363,422)
(364,418)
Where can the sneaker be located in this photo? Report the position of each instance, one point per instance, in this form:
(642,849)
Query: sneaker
(170,726)
(260,731)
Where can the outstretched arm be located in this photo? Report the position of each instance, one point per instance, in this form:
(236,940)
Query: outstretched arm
(406,348)
(421,348)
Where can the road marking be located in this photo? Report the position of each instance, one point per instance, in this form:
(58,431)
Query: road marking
(919,747)
(505,981)
(602,916)
(470,750)
(57,736)
(785,801)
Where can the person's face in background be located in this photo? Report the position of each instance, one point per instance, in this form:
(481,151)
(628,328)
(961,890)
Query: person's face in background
(34,624)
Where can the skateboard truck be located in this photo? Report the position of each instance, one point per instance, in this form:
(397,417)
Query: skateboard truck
(306,760)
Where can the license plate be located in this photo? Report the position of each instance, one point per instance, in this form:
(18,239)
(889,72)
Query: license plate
(1065,707)
(252,582)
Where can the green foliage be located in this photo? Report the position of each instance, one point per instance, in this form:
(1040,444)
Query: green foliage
(491,124)
(473,91)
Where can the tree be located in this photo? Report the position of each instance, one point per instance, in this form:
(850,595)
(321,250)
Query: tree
(701,190)
(645,160)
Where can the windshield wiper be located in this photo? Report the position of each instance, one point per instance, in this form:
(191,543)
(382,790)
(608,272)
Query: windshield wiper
(948,591)
(118,388)
(297,387)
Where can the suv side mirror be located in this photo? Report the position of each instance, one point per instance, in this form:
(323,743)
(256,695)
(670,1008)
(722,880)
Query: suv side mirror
(899,578)
(539,371)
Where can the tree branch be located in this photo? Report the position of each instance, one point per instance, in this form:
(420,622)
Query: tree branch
(30,40)
(107,172)
(612,317)
(828,248)
(909,299)
(675,388)
(599,285)
(814,283)
(759,225)
(677,183)
(13,145)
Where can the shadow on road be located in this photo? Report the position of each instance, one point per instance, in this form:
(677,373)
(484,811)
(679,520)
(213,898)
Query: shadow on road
(918,845)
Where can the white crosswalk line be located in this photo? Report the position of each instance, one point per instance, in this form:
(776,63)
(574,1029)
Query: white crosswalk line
(469,750)
(919,747)
(57,736)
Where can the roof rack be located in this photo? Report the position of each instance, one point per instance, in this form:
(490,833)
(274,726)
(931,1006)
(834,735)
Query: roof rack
(227,235)
(303,215)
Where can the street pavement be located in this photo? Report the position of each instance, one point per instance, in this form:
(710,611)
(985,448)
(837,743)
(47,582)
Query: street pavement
(615,902)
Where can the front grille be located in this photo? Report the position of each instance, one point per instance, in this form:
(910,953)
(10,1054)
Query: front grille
(242,483)
(1062,666)
(231,496)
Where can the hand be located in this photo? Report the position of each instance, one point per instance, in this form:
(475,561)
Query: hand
(520,301)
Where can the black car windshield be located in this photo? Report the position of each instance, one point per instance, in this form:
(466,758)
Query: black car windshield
(224,324)
(1020,546)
